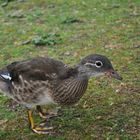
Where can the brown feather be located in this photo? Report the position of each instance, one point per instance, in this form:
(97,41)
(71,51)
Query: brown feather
(38,69)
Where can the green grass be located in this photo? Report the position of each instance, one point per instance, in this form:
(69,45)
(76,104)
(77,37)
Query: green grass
(109,110)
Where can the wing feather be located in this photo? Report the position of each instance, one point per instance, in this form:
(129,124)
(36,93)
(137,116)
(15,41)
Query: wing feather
(41,68)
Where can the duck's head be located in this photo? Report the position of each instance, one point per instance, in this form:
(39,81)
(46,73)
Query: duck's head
(96,65)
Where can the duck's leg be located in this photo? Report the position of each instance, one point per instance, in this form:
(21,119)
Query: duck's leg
(37,129)
(45,115)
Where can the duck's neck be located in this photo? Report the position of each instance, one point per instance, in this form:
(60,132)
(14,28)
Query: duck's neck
(80,73)
(75,71)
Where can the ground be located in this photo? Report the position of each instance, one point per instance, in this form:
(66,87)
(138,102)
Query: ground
(68,31)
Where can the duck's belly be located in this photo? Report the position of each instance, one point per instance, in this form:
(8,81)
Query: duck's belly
(32,94)
(30,100)
(42,99)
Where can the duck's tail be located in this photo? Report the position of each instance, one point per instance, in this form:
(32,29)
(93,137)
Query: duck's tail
(5,79)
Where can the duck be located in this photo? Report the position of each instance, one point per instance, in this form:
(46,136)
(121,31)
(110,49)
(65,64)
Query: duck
(43,81)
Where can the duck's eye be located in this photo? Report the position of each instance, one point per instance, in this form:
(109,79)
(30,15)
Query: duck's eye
(98,64)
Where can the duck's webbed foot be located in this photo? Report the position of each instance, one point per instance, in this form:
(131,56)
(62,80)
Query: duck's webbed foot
(41,129)
(46,115)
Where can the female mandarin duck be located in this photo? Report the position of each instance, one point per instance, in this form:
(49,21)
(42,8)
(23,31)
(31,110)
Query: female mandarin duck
(43,80)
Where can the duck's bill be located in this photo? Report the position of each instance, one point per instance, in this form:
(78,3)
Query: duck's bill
(114,74)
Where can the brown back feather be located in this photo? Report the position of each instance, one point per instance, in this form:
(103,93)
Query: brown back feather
(39,69)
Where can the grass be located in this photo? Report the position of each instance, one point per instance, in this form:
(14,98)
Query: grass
(68,31)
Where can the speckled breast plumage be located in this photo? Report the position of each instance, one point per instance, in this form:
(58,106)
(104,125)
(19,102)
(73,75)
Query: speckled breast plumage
(63,92)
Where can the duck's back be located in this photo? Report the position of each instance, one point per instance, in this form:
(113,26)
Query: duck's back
(37,69)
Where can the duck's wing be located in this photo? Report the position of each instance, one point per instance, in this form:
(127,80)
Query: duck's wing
(35,69)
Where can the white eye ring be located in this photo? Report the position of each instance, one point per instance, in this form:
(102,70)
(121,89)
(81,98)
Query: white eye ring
(98,64)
